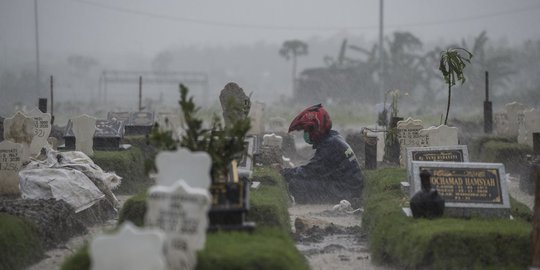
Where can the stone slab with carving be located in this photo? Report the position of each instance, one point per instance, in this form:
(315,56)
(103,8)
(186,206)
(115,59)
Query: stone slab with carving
(129,249)
(10,165)
(42,130)
(407,133)
(20,129)
(84,127)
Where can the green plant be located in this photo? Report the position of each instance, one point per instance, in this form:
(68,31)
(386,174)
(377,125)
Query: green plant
(451,65)
(222,143)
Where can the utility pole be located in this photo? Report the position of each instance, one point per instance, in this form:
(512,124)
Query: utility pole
(381,56)
(140,93)
(37,44)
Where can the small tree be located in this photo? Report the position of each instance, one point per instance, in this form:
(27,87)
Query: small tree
(451,66)
(293,49)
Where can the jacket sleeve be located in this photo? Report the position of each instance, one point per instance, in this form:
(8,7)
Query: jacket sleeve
(319,167)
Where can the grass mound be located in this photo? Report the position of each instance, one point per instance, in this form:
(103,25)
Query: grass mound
(19,242)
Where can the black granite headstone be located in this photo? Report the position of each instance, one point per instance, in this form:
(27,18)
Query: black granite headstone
(536,143)
(108,134)
(42,105)
(140,123)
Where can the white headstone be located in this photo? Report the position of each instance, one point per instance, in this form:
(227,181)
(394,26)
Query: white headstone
(440,136)
(407,132)
(256,114)
(84,127)
(10,164)
(20,129)
(42,129)
(531,123)
(380,142)
(500,123)
(193,167)
(512,111)
(272,140)
(182,213)
(129,249)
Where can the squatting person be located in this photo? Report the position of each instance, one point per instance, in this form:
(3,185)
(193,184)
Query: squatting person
(333,174)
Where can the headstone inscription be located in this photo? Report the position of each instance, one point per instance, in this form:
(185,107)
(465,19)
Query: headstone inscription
(454,153)
(83,128)
(182,212)
(108,134)
(10,164)
(407,134)
(42,130)
(129,249)
(469,189)
(20,129)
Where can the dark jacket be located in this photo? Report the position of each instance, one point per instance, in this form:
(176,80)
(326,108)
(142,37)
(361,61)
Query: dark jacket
(333,174)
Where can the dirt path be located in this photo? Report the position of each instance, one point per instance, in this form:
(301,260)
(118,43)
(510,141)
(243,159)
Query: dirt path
(329,239)
(55,257)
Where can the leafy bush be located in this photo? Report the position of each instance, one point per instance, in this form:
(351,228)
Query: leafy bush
(444,243)
(134,210)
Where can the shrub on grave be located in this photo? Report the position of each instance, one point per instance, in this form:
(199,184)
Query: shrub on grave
(20,244)
(128,164)
(445,243)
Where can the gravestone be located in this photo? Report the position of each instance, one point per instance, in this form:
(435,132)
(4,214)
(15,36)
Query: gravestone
(20,129)
(245,164)
(10,164)
(380,143)
(501,123)
(371,152)
(120,116)
(440,136)
(108,134)
(454,153)
(469,189)
(512,111)
(407,134)
(272,140)
(234,102)
(140,123)
(193,167)
(256,114)
(83,128)
(42,105)
(130,248)
(42,130)
(530,125)
(181,212)
(1,128)
(170,122)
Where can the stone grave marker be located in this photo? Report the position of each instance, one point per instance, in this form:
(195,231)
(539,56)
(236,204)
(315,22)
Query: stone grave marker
(140,123)
(256,114)
(120,116)
(108,134)
(234,102)
(193,167)
(83,128)
(380,143)
(454,153)
(272,140)
(42,130)
(530,125)
(1,128)
(182,213)
(440,136)
(130,248)
(407,133)
(501,123)
(169,121)
(10,164)
(469,189)
(245,164)
(20,129)
(512,111)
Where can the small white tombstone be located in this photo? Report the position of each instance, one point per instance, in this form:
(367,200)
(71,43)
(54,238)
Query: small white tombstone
(20,129)
(129,249)
(407,132)
(10,164)
(42,129)
(272,140)
(256,114)
(442,135)
(182,212)
(194,167)
(84,127)
(531,124)
(512,111)
(501,123)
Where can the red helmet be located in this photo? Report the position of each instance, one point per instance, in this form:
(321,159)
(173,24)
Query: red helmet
(315,120)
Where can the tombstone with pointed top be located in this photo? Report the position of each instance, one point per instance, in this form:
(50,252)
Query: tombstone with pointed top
(442,135)
(84,127)
(10,164)
(407,133)
(20,129)
(234,102)
(42,130)
(130,248)
(181,212)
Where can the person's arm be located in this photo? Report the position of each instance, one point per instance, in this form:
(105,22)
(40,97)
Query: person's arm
(318,167)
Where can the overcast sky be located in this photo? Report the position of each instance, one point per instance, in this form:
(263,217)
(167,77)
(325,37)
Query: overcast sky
(148,26)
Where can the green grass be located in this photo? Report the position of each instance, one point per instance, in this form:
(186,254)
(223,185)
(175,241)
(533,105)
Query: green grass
(20,245)
(129,164)
(444,243)
(80,260)
(134,210)
(270,201)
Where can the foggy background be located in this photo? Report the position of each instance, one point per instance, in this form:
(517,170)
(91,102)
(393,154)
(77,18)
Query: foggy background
(239,40)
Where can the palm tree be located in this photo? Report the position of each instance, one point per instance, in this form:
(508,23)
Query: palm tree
(293,49)
(451,66)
